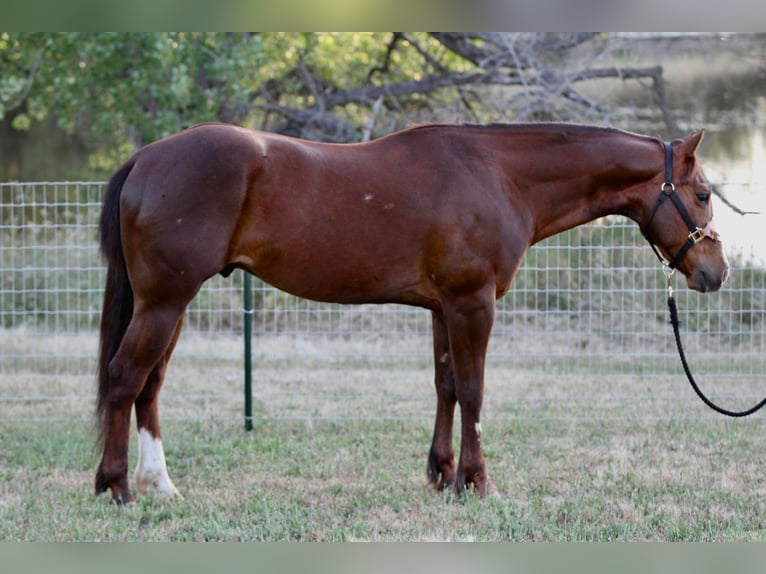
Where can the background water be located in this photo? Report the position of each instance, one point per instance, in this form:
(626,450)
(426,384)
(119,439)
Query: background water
(719,84)
(731,105)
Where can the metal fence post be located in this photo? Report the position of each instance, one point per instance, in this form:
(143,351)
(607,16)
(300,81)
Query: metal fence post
(248,330)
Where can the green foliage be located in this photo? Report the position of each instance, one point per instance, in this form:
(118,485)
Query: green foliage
(143,86)
(147,85)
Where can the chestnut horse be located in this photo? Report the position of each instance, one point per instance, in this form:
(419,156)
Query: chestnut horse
(437,216)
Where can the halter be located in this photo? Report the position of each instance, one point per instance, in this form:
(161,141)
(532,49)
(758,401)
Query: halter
(696,234)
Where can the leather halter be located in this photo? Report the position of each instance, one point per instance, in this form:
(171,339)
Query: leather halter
(696,234)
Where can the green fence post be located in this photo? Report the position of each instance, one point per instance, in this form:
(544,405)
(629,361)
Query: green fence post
(248,317)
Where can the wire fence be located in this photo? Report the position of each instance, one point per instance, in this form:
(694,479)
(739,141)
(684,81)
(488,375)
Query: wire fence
(585,322)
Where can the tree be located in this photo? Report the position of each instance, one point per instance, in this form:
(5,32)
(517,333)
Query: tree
(119,90)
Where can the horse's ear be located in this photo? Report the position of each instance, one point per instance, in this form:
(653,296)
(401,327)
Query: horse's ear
(690,144)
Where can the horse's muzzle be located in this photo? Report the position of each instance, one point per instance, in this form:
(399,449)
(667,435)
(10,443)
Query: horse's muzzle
(705,280)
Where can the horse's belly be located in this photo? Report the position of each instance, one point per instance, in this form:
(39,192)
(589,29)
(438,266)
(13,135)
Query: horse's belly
(342,276)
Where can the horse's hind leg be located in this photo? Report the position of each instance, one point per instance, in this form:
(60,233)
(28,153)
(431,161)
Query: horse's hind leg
(151,474)
(146,342)
(441,458)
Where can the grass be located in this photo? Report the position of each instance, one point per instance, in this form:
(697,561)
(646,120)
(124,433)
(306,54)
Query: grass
(626,479)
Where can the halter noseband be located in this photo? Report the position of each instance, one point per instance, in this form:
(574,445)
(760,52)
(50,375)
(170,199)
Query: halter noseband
(696,234)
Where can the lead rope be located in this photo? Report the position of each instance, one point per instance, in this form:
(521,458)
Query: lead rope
(674,321)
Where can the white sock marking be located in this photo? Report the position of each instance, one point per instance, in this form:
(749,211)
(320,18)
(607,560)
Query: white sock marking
(151,474)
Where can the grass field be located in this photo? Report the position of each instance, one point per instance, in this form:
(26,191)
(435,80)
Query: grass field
(339,449)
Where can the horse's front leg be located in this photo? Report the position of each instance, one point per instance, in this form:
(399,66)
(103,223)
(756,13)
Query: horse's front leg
(469,321)
(441,458)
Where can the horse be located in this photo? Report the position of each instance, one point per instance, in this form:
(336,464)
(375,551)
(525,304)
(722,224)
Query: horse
(433,216)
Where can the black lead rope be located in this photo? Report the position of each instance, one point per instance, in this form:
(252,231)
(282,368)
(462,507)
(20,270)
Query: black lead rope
(700,394)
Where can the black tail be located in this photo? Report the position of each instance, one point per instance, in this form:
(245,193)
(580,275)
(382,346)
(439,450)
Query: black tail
(118,294)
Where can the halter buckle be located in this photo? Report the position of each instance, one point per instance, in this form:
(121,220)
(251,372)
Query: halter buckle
(697,235)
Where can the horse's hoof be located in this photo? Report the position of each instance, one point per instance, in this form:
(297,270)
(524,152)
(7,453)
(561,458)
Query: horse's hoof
(481,486)
(488,489)
(124,500)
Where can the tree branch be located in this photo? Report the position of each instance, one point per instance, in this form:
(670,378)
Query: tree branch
(528,61)
(717,191)
(384,67)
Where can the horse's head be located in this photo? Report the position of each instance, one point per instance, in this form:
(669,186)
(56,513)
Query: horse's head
(679,224)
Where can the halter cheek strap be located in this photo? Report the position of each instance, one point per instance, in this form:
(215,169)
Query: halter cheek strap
(696,234)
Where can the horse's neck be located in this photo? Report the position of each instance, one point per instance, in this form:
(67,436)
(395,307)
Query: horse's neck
(604,176)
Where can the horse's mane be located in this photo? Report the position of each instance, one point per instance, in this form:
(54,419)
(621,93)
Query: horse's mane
(560,128)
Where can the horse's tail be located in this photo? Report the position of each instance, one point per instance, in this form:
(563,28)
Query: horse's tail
(118,294)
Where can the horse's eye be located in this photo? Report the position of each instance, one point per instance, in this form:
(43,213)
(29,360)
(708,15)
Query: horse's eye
(703,197)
